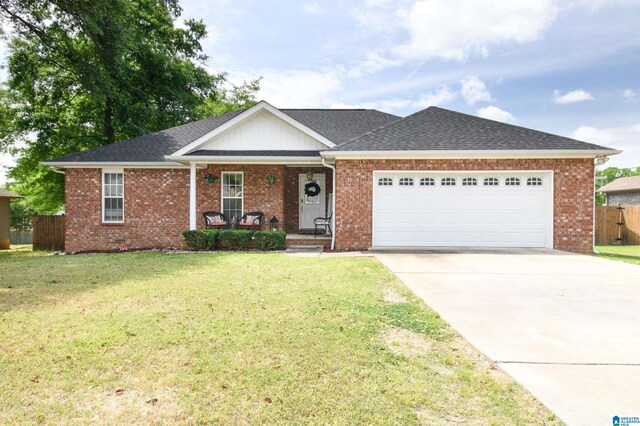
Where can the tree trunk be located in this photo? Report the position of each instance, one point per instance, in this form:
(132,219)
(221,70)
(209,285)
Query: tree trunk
(109,131)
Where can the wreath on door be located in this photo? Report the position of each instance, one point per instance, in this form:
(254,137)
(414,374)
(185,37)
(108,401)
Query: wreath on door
(311,189)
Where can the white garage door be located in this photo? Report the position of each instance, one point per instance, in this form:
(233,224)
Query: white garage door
(462,209)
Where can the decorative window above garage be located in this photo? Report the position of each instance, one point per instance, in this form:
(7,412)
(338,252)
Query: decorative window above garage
(491,181)
(469,181)
(405,181)
(385,181)
(512,181)
(448,181)
(427,181)
(534,181)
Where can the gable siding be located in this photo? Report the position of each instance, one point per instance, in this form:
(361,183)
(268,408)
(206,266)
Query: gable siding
(263,131)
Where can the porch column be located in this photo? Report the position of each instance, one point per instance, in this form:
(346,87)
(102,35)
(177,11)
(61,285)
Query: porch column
(192,198)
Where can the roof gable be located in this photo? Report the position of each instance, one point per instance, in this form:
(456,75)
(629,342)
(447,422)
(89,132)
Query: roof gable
(258,111)
(623,184)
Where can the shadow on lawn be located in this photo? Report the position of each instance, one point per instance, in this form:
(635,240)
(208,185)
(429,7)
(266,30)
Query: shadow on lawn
(621,257)
(30,280)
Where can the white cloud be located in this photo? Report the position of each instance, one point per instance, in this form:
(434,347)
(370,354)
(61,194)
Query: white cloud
(474,90)
(441,96)
(312,8)
(571,97)
(497,114)
(373,63)
(628,94)
(626,138)
(299,88)
(455,29)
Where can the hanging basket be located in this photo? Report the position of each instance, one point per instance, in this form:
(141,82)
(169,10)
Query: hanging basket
(311,189)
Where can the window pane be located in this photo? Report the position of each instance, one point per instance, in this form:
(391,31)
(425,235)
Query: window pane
(232,208)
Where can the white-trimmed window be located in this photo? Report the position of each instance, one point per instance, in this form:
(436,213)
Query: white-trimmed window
(469,181)
(232,194)
(427,181)
(491,181)
(113,195)
(512,181)
(385,181)
(405,181)
(448,181)
(534,181)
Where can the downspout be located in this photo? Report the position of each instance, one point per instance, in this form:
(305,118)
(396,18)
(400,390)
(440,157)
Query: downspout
(55,169)
(599,161)
(333,203)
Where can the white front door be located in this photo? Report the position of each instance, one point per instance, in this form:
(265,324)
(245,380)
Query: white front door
(311,206)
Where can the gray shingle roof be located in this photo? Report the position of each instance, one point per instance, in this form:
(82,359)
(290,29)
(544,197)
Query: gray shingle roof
(335,124)
(440,129)
(352,130)
(623,184)
(152,147)
(339,125)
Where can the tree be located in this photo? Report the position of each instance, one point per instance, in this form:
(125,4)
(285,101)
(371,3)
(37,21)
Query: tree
(610,174)
(85,73)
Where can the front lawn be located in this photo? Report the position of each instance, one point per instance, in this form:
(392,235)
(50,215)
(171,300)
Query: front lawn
(629,254)
(234,339)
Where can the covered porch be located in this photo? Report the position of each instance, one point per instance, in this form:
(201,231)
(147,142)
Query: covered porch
(291,195)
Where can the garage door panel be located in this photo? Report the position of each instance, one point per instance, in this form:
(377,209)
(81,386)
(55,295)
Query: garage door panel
(516,216)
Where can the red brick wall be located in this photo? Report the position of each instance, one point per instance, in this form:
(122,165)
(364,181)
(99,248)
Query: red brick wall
(258,194)
(292,194)
(156,210)
(156,205)
(573,196)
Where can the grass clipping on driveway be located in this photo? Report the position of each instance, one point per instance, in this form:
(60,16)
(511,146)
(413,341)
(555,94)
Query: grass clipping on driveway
(239,338)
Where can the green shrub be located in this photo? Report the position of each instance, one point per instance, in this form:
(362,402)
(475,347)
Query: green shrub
(270,240)
(234,239)
(212,238)
(201,240)
(196,240)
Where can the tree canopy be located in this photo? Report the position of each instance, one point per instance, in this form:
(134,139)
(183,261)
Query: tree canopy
(85,73)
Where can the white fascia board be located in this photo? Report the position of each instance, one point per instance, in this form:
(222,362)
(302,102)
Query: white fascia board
(260,106)
(120,164)
(233,159)
(469,154)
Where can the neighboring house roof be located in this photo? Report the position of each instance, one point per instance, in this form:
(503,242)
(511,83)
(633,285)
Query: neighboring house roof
(437,129)
(344,131)
(624,184)
(8,194)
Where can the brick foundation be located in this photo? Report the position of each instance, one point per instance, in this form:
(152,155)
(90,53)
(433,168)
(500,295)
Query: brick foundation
(573,196)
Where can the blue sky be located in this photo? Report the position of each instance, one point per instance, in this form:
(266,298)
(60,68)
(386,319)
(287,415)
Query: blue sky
(566,67)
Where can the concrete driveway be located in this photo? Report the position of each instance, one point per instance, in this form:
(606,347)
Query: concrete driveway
(565,326)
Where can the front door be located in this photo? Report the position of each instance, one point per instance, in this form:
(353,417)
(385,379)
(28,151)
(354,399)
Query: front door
(311,206)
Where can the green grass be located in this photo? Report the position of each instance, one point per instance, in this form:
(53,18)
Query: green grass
(234,339)
(630,254)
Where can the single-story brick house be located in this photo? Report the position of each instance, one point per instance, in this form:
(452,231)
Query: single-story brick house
(624,191)
(433,178)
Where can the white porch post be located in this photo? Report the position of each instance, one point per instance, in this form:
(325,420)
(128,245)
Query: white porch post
(192,198)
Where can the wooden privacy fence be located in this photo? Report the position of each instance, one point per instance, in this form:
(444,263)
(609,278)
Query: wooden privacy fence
(607,218)
(48,232)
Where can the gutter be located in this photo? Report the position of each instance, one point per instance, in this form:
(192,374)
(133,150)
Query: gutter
(600,160)
(470,154)
(333,204)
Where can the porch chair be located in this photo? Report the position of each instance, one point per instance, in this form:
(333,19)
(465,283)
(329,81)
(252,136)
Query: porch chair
(215,220)
(251,221)
(322,223)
